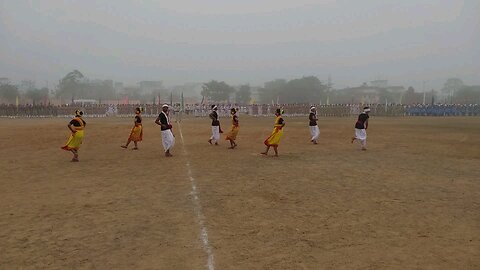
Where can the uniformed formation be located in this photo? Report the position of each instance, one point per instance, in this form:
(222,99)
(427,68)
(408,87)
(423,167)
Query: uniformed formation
(77,126)
(202,110)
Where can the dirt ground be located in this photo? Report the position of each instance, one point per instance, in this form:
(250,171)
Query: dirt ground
(412,201)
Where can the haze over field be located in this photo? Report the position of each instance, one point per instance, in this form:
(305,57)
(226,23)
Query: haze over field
(406,42)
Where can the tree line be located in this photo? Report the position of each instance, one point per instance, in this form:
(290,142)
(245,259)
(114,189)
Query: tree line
(309,89)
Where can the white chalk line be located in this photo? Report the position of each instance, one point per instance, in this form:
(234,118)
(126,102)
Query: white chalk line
(197,207)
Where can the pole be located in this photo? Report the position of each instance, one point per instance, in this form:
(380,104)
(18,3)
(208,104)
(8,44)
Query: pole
(423,92)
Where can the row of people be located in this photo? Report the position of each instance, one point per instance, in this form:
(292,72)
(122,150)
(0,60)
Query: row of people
(202,110)
(78,124)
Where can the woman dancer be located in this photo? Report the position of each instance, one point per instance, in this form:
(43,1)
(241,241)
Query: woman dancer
(277,133)
(232,135)
(76,126)
(136,134)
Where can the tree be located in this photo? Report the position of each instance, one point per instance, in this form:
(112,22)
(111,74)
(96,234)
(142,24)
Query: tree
(452,85)
(71,85)
(468,95)
(100,90)
(243,95)
(8,92)
(37,95)
(410,97)
(304,90)
(272,90)
(217,91)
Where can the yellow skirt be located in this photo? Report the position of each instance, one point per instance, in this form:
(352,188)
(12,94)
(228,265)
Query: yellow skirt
(232,134)
(74,141)
(136,134)
(274,138)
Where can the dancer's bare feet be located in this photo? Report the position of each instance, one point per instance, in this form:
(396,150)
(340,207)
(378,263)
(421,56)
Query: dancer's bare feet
(210,141)
(124,146)
(135,148)
(264,153)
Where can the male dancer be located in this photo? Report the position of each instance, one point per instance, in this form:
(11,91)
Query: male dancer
(168,140)
(361,128)
(314,130)
(215,126)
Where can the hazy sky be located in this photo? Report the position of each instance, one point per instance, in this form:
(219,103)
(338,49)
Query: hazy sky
(242,41)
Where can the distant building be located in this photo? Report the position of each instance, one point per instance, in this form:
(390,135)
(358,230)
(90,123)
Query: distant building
(255,95)
(396,89)
(4,81)
(376,92)
(118,86)
(26,85)
(379,83)
(148,87)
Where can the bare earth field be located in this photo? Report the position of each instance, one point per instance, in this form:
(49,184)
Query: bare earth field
(412,201)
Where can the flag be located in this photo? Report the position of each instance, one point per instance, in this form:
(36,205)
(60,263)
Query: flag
(386,104)
(171,98)
(16,101)
(328,100)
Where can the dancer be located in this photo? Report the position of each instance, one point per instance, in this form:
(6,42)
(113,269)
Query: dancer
(277,133)
(215,126)
(232,135)
(76,126)
(314,130)
(136,134)
(361,128)
(168,140)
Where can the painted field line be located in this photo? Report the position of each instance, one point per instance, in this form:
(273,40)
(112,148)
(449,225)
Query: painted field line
(197,207)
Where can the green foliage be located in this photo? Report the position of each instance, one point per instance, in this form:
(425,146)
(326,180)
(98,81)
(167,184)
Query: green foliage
(452,84)
(8,92)
(468,95)
(37,95)
(304,90)
(100,90)
(75,86)
(71,85)
(217,91)
(243,95)
(410,97)
(272,90)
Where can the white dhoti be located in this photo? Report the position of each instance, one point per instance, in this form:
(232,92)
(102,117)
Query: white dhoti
(315,132)
(361,135)
(168,140)
(215,134)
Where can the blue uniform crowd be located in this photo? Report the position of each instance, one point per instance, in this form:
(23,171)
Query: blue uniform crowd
(443,110)
(198,110)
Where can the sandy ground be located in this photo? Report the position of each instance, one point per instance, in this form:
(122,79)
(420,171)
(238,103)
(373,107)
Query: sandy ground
(412,201)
